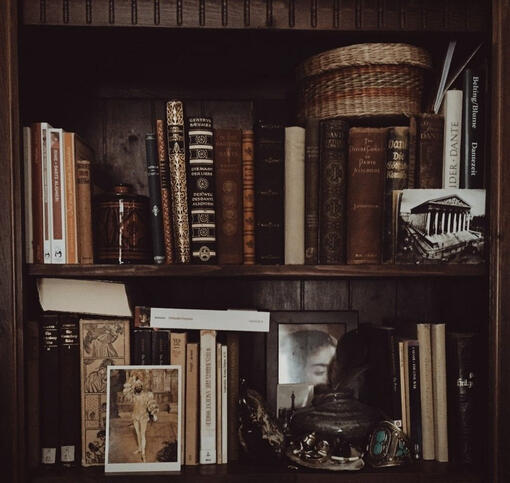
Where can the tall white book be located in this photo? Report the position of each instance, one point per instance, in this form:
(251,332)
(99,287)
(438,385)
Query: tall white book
(426,391)
(224,404)
(46,191)
(27,172)
(452,111)
(440,397)
(207,397)
(56,185)
(294,195)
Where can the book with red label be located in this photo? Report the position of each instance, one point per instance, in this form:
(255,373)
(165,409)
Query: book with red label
(365,189)
(57,196)
(229,195)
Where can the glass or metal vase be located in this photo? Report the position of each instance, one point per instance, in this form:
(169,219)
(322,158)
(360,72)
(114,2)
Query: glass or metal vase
(122,227)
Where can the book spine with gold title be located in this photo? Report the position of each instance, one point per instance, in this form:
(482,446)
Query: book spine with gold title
(248,197)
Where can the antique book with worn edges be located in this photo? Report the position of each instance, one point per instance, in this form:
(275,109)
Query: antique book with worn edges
(69,389)
(229,195)
(333,188)
(248,197)
(429,162)
(269,197)
(233,395)
(201,166)
(164,178)
(472,165)
(294,191)
(160,347)
(103,343)
(396,178)
(49,390)
(179,191)
(365,189)
(154,182)
(312,172)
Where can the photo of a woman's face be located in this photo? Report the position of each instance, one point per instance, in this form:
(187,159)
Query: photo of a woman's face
(306,351)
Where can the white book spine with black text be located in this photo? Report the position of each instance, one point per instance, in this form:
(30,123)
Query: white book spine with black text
(207,397)
(224,404)
(452,111)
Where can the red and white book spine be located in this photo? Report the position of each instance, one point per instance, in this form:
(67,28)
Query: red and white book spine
(224,404)
(207,397)
(46,191)
(57,195)
(27,177)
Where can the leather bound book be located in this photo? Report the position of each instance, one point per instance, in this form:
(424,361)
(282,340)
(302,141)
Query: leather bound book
(177,163)
(333,165)
(411,170)
(229,196)
(160,347)
(84,159)
(396,176)
(312,170)
(142,347)
(365,182)
(248,197)
(201,190)
(294,195)
(462,373)
(429,161)
(158,248)
(32,343)
(164,177)
(269,201)
(69,389)
(49,390)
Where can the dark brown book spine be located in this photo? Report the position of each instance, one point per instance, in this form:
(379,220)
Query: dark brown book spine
(32,356)
(164,177)
(269,200)
(411,170)
(37,196)
(49,390)
(396,177)
(429,169)
(365,181)
(69,390)
(142,347)
(160,347)
(312,170)
(233,395)
(229,196)
(248,197)
(333,164)
(177,163)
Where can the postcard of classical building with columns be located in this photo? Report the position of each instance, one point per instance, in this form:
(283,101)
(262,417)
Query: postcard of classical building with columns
(441,226)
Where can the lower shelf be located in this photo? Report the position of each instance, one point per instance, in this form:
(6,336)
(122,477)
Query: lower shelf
(236,472)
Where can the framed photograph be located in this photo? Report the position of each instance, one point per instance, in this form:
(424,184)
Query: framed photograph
(143,423)
(293,396)
(301,347)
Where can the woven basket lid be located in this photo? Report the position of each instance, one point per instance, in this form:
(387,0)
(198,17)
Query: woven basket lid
(364,54)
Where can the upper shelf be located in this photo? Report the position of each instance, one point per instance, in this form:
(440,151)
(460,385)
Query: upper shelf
(342,15)
(257,271)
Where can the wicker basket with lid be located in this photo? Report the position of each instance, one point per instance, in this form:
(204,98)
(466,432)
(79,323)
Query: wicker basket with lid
(363,80)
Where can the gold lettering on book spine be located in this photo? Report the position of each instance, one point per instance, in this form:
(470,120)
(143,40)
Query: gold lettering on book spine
(177,159)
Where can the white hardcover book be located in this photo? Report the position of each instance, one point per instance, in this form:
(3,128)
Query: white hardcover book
(426,391)
(46,191)
(440,397)
(219,405)
(452,111)
(207,397)
(294,195)
(194,319)
(97,297)
(57,195)
(224,404)
(27,176)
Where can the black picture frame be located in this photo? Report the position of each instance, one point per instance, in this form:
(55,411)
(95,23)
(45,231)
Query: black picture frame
(348,320)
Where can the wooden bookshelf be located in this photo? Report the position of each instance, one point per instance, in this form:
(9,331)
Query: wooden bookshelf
(111,88)
(269,272)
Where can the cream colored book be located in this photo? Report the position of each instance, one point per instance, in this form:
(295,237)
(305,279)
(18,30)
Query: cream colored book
(219,406)
(439,384)
(178,342)
(224,404)
(207,397)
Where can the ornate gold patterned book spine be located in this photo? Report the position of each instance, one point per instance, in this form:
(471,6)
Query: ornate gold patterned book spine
(165,191)
(177,164)
(248,198)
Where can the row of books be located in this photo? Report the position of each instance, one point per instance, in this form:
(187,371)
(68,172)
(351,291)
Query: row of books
(426,384)
(58,208)
(74,357)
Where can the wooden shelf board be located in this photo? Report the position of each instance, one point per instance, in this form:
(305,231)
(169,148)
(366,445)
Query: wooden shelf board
(257,271)
(421,472)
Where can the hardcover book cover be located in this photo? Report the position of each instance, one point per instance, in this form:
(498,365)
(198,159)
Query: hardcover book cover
(441,226)
(429,162)
(248,197)
(312,171)
(201,190)
(208,397)
(103,343)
